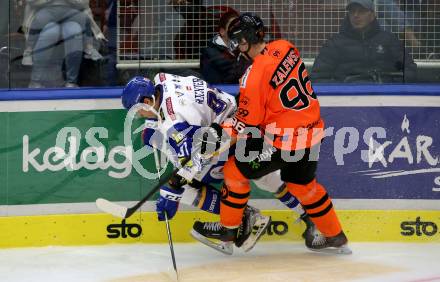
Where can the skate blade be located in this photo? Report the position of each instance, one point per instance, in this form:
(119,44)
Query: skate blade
(226,248)
(342,250)
(262,222)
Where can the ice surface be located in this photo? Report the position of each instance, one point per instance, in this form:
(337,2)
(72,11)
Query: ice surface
(196,262)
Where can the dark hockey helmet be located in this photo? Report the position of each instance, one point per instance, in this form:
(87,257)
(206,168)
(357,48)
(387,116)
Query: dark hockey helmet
(248,26)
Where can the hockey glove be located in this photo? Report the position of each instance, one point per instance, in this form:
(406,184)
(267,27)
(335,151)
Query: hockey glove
(168,202)
(209,139)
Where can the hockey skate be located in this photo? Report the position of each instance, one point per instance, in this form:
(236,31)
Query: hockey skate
(310,226)
(332,245)
(254,225)
(224,237)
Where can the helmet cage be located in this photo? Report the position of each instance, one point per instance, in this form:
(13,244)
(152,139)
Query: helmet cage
(249,27)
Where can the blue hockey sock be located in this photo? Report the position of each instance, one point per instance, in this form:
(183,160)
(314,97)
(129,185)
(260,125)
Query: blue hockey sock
(288,199)
(208,199)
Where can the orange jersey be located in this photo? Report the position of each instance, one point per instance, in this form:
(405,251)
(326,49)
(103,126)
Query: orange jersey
(276,95)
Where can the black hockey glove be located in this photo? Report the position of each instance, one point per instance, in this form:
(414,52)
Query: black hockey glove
(209,139)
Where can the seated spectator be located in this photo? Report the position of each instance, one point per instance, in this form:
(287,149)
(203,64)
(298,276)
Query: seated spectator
(392,18)
(4,52)
(110,31)
(4,22)
(46,23)
(152,31)
(362,51)
(217,63)
(425,14)
(194,30)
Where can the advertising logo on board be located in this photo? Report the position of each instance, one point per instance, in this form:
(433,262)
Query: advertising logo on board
(387,153)
(124,230)
(66,154)
(418,228)
(401,149)
(382,154)
(278,228)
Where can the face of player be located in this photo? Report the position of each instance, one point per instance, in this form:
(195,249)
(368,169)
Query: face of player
(243,46)
(149,114)
(251,51)
(360,17)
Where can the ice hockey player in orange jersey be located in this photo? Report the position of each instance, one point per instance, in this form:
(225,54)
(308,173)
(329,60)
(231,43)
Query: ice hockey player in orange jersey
(279,122)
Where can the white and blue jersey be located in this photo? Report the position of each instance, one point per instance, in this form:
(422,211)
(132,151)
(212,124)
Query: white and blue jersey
(187,104)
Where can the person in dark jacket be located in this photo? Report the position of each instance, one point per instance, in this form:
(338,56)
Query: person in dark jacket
(363,52)
(217,63)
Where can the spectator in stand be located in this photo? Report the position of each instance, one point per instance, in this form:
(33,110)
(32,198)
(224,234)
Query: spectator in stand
(363,52)
(155,30)
(169,31)
(426,17)
(4,40)
(392,18)
(218,64)
(4,21)
(48,22)
(110,31)
(197,27)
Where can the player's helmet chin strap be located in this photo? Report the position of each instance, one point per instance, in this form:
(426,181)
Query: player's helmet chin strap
(247,54)
(158,121)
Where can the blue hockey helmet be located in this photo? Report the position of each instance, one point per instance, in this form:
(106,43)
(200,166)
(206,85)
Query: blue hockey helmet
(136,90)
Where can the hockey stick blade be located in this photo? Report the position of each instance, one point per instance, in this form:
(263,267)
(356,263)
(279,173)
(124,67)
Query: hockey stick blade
(111,208)
(124,212)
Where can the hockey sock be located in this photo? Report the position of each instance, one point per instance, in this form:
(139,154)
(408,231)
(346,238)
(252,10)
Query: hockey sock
(319,207)
(288,199)
(235,195)
(203,196)
(208,199)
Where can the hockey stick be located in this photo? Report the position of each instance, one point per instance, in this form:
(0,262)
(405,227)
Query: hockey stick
(167,224)
(170,243)
(124,212)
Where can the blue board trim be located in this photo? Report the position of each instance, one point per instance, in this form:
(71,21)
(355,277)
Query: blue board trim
(320,89)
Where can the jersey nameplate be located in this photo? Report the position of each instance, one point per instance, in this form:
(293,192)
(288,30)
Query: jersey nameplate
(199,90)
(284,69)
